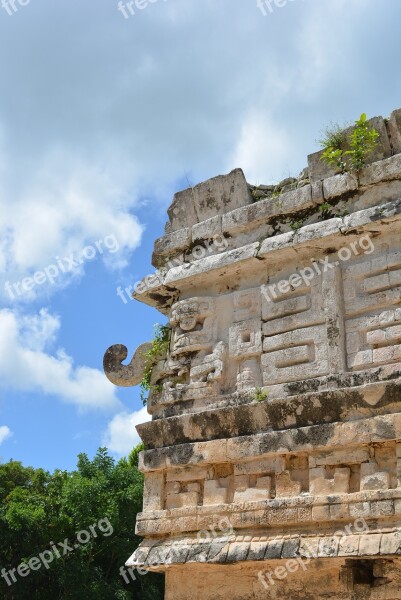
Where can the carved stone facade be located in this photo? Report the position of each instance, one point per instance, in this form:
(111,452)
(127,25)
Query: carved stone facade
(276,411)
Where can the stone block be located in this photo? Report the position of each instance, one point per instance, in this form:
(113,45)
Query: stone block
(273,549)
(359,510)
(386,170)
(290,548)
(340,457)
(391,543)
(319,230)
(237,552)
(304,514)
(182,500)
(318,169)
(294,355)
(214,493)
(296,200)
(257,551)
(247,217)
(173,487)
(153,492)
(186,474)
(339,185)
(194,487)
(261,465)
(264,483)
(397,506)
(285,486)
(376,481)
(349,545)
(247,304)
(321,513)
(383,147)
(213,197)
(369,544)
(309,547)
(317,192)
(170,244)
(207,229)
(218,551)
(382,508)
(394,130)
(321,486)
(328,547)
(339,511)
(251,494)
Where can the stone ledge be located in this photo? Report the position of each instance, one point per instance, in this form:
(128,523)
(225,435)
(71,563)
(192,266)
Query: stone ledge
(276,513)
(158,554)
(283,413)
(161,292)
(247,218)
(304,439)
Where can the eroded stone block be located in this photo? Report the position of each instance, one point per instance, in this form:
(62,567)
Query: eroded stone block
(285,486)
(215,492)
(153,493)
(323,485)
(210,198)
(394,129)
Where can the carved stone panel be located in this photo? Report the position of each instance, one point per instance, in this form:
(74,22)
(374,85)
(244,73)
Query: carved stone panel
(372,295)
(245,338)
(194,325)
(295,341)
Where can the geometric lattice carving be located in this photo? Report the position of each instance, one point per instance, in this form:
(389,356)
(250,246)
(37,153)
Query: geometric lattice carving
(295,342)
(295,355)
(245,338)
(373,286)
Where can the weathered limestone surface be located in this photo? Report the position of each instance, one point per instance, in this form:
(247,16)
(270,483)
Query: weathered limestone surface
(273,458)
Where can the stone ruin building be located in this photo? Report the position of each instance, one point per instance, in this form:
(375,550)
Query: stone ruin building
(273,457)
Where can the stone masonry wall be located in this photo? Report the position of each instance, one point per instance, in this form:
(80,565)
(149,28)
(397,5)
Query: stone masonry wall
(274,450)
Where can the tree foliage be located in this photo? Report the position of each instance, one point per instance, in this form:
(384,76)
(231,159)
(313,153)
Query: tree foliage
(38,508)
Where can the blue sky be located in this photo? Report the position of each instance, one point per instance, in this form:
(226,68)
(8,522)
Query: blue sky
(102,119)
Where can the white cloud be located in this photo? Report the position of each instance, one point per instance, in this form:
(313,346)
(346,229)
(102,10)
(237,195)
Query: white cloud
(25,365)
(121,436)
(261,149)
(5,433)
(82,142)
(64,209)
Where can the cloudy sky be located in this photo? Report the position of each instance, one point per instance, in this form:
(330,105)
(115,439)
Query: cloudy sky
(105,114)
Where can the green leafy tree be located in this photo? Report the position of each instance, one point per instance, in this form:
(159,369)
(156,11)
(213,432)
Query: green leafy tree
(38,508)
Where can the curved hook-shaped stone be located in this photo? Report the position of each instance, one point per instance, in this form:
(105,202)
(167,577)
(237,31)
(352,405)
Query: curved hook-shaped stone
(125,375)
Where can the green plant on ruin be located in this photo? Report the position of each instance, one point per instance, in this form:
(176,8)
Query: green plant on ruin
(159,347)
(325,210)
(361,142)
(260,395)
(295,225)
(334,138)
